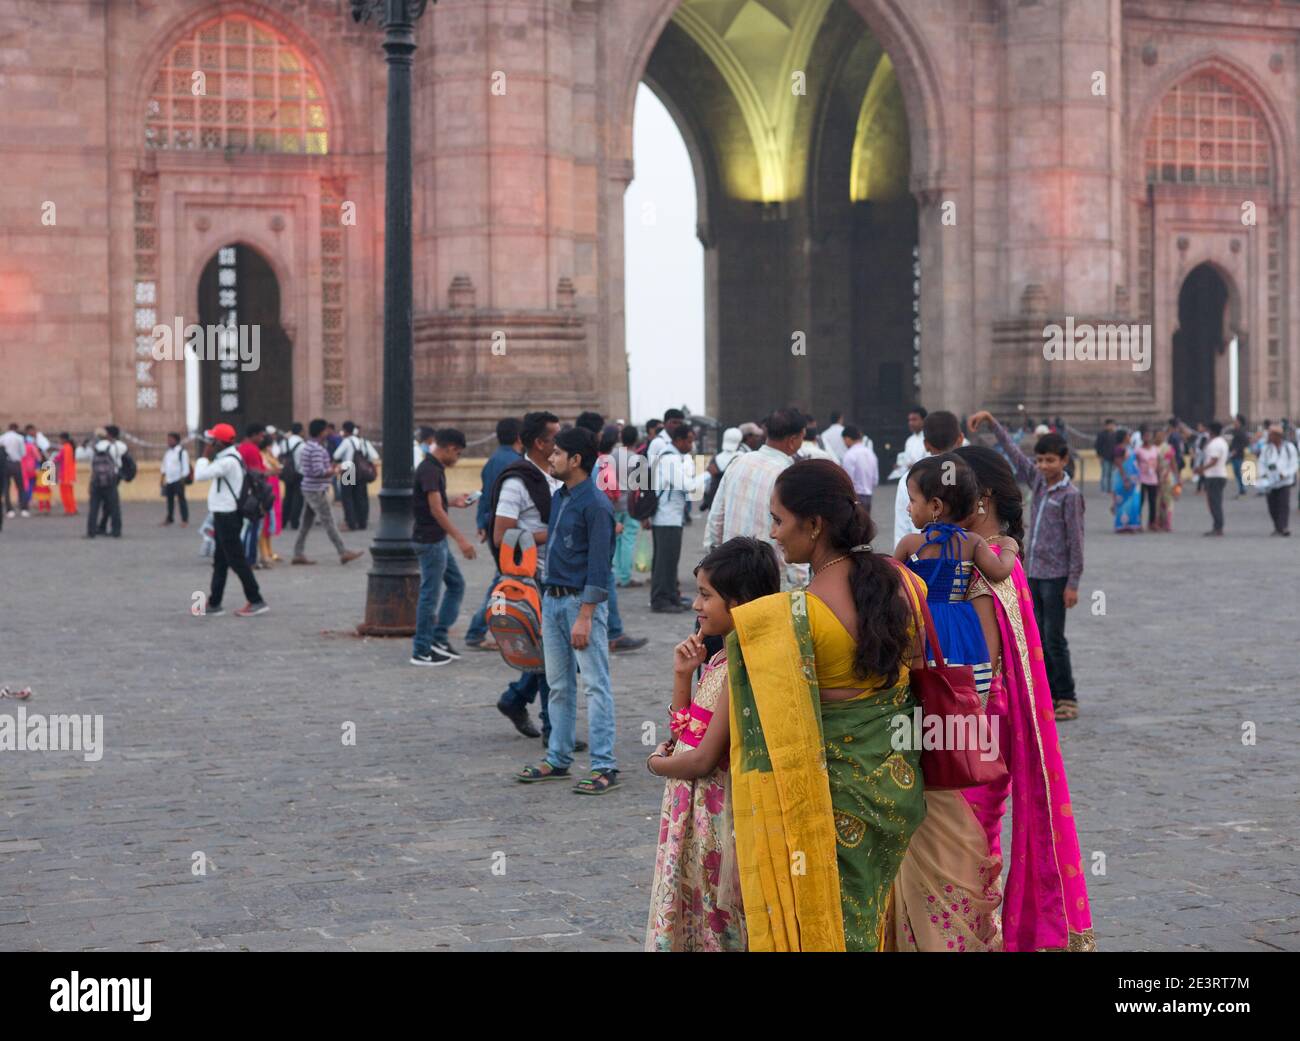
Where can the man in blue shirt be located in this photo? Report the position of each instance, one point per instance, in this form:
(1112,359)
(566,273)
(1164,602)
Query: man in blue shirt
(575,616)
(509,449)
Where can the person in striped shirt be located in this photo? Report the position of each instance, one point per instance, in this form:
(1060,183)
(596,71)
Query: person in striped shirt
(318,471)
(742,505)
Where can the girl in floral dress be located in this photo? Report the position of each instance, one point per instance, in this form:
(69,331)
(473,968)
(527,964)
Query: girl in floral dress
(695,900)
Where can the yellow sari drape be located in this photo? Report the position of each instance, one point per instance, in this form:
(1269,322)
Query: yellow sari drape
(781,798)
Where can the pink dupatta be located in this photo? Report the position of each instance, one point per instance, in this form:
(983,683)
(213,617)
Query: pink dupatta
(1046,900)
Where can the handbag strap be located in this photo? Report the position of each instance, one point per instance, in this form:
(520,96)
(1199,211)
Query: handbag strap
(922,607)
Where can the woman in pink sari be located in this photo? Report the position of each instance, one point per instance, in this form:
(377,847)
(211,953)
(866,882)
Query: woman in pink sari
(948,893)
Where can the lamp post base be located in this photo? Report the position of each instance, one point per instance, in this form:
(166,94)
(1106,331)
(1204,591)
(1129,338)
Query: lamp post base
(393,583)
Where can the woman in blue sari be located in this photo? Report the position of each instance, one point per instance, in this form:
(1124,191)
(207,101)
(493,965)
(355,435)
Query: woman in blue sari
(1127,487)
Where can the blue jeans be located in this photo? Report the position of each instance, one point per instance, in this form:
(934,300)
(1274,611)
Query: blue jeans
(249,537)
(437,568)
(1237,462)
(477,631)
(562,664)
(615,620)
(625,546)
(521,692)
(1107,475)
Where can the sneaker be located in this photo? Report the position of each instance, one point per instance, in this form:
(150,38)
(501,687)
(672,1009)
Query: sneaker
(11,514)
(351,554)
(482,645)
(25,514)
(447,649)
(434,657)
(248,610)
(212,612)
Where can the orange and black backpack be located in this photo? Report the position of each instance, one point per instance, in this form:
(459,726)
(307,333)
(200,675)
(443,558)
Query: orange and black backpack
(515,607)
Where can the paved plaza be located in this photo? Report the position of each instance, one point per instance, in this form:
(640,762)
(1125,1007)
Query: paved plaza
(224,737)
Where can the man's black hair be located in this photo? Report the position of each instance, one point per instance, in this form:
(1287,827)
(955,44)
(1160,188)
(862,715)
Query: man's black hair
(1214,427)
(579,442)
(113,431)
(508,430)
(941,430)
(295,428)
(592,421)
(835,415)
(450,437)
(783,423)
(674,413)
(630,435)
(425,433)
(681,431)
(918,410)
(851,433)
(348,426)
(317,427)
(534,426)
(253,429)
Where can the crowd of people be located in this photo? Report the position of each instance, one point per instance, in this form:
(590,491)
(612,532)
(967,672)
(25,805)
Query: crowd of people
(1145,467)
(809,645)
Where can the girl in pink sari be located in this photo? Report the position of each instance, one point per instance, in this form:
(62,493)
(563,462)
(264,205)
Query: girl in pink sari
(948,894)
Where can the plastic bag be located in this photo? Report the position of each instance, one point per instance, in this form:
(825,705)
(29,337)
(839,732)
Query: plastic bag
(644,555)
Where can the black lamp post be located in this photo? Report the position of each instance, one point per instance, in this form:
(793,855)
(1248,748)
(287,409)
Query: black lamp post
(394,580)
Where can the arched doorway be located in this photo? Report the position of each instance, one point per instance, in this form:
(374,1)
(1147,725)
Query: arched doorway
(795,120)
(246,371)
(1200,345)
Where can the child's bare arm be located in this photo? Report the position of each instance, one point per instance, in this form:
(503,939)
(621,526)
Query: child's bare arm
(689,764)
(688,656)
(995,568)
(907,545)
(1006,543)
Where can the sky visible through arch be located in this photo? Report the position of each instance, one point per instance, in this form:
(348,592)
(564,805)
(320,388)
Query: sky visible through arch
(664,268)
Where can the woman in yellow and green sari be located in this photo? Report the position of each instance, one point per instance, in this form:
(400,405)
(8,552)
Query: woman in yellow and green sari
(823,804)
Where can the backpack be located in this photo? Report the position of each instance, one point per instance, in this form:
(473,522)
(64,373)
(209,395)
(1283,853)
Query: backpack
(289,472)
(534,483)
(103,474)
(514,613)
(256,497)
(642,502)
(365,469)
(128,467)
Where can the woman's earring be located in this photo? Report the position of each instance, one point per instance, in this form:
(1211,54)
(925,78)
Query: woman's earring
(982,510)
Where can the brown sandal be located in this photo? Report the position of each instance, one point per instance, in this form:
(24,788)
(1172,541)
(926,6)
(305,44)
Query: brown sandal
(1066,709)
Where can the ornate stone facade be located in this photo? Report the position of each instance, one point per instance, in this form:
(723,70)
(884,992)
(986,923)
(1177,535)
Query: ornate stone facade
(896,199)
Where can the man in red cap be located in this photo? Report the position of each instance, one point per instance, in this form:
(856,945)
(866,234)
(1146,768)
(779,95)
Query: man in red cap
(222,466)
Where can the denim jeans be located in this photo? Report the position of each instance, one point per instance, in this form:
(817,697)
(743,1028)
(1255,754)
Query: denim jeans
(437,568)
(615,619)
(1214,499)
(521,692)
(1237,463)
(477,631)
(1049,610)
(562,664)
(1107,475)
(625,546)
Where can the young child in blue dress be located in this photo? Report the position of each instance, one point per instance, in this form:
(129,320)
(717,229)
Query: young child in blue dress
(942,493)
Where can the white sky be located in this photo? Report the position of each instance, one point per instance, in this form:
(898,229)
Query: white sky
(664,269)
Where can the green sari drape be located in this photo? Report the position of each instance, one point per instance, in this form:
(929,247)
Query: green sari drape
(811,778)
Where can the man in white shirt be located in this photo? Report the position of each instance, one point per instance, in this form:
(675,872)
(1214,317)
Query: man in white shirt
(675,480)
(15,447)
(222,466)
(175,467)
(291,477)
(914,448)
(940,432)
(673,419)
(355,494)
(1214,469)
(833,438)
(1278,463)
(810,449)
(861,464)
(524,502)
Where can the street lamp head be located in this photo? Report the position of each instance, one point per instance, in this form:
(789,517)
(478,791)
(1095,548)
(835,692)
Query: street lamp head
(384,11)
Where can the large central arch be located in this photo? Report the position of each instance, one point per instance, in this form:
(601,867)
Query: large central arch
(812,129)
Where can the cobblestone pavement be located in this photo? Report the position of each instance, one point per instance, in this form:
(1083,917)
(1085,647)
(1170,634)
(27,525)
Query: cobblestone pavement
(223,736)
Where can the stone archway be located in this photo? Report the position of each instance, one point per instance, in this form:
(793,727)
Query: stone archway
(792,239)
(248,378)
(1200,345)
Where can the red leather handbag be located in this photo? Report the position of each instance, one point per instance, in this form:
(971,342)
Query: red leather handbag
(947,692)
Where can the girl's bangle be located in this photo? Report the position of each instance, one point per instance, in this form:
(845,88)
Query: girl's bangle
(653,755)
